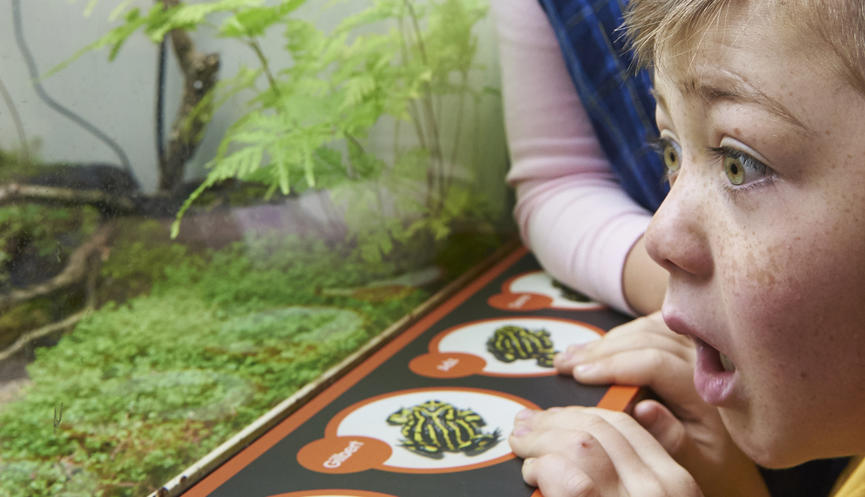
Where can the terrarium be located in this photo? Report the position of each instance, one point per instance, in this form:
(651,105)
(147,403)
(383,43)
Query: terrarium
(204,205)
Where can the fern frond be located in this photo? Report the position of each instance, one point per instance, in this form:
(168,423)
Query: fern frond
(225,89)
(119,9)
(253,22)
(381,10)
(115,39)
(357,89)
(190,16)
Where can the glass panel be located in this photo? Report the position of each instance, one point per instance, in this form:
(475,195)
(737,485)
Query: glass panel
(206,204)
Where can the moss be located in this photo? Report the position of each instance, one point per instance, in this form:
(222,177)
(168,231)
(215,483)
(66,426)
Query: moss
(140,255)
(220,338)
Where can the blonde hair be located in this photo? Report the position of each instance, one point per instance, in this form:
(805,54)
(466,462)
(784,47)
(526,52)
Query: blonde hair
(665,27)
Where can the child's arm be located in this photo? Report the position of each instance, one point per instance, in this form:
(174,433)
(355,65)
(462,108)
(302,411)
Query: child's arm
(645,352)
(571,210)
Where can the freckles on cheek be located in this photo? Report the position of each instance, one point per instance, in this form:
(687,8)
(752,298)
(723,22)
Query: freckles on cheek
(751,272)
(764,288)
(763,271)
(786,299)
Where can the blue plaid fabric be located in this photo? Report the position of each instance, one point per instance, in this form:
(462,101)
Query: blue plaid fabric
(618,102)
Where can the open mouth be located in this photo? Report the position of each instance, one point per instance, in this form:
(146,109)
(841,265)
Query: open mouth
(726,363)
(712,359)
(714,375)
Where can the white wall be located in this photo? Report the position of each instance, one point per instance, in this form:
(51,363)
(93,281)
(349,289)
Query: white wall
(119,97)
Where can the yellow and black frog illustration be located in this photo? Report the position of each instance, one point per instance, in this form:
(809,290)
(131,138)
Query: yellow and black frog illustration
(434,427)
(511,342)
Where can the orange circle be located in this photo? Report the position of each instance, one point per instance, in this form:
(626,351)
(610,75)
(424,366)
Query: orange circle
(339,455)
(333,426)
(520,301)
(447,365)
(436,341)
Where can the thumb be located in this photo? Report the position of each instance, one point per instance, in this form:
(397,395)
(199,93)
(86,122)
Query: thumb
(662,424)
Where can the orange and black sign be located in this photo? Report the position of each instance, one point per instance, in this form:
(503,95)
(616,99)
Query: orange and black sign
(429,413)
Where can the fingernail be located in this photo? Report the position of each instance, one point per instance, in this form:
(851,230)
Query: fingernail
(525,414)
(585,369)
(520,430)
(577,351)
(576,347)
(570,353)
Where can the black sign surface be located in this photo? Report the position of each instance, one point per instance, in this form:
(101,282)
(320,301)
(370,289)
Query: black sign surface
(429,413)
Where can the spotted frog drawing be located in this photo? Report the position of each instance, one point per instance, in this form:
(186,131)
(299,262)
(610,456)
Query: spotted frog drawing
(434,427)
(511,342)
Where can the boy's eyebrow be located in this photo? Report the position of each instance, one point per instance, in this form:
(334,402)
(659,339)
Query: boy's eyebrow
(739,91)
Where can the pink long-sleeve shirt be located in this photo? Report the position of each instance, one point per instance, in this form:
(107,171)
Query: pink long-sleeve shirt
(571,211)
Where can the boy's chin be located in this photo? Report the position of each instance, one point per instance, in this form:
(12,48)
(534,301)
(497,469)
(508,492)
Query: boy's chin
(768,458)
(770,463)
(763,448)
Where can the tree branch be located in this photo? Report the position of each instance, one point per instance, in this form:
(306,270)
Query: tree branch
(200,76)
(46,330)
(69,196)
(74,271)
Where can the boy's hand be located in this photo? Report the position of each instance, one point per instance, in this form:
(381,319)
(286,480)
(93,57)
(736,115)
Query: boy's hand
(590,452)
(645,352)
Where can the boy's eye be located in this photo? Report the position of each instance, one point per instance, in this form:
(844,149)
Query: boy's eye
(740,168)
(735,170)
(671,153)
(672,156)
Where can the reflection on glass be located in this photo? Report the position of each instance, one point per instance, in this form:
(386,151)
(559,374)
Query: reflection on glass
(204,205)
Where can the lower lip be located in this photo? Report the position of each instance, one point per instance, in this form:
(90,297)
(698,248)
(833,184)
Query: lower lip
(713,383)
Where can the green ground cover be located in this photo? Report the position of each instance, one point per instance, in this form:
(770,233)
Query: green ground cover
(143,388)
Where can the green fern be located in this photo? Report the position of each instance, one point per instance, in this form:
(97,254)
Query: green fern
(307,126)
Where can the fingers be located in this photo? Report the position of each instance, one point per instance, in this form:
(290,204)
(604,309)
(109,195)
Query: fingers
(705,450)
(662,425)
(555,474)
(642,352)
(656,368)
(587,451)
(636,450)
(564,459)
(640,461)
(645,333)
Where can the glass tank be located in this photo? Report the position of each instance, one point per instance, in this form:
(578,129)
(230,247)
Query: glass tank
(204,205)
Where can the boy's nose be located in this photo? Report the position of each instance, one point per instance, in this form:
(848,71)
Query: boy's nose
(676,238)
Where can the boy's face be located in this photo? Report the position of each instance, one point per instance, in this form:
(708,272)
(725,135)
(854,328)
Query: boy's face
(763,233)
